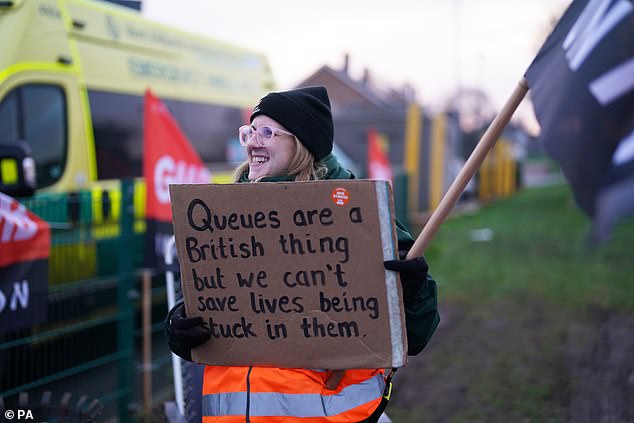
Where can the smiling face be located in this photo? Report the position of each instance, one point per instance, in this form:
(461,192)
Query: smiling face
(272,160)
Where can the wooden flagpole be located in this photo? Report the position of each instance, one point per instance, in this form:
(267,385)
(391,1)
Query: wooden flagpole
(147,345)
(472,165)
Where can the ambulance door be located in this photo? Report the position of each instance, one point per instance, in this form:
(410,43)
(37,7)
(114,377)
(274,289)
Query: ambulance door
(45,110)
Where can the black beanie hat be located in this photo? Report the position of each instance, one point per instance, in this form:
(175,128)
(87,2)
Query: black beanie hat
(306,113)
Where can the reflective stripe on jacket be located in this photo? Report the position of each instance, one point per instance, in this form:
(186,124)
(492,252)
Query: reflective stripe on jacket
(267,394)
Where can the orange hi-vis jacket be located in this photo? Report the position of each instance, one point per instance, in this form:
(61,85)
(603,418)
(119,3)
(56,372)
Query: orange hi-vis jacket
(274,395)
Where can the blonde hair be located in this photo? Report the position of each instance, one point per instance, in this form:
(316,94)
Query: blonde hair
(302,167)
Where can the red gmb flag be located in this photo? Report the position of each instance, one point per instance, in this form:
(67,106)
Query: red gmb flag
(25,243)
(378,163)
(168,157)
(23,235)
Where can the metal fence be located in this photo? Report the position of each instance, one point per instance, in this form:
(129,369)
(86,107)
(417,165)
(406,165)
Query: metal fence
(89,347)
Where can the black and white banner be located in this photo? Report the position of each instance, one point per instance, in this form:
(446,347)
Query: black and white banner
(582,86)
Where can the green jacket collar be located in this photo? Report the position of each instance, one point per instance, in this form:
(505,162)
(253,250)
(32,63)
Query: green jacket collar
(336,171)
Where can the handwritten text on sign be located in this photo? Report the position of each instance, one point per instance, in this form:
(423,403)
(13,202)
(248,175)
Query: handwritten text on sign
(285,274)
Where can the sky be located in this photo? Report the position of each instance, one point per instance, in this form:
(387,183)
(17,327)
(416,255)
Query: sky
(434,46)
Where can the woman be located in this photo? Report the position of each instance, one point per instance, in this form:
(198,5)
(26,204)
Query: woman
(290,138)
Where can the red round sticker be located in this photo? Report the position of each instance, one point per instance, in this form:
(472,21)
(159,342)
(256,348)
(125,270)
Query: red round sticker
(340,196)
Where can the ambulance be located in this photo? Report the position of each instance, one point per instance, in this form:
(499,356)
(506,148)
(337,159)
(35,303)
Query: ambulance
(73,74)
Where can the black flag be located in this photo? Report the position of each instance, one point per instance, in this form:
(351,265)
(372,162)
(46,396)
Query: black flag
(582,86)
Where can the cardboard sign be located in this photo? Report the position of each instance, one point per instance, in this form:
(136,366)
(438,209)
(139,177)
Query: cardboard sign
(291,274)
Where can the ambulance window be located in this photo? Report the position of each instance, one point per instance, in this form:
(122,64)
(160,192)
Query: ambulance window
(9,118)
(117,121)
(210,128)
(44,112)
(37,114)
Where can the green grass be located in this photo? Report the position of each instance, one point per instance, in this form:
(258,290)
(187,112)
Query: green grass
(538,249)
(520,314)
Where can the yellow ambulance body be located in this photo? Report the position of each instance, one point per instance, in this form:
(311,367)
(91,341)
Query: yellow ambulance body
(72,78)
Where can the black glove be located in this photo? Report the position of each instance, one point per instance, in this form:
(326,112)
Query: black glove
(184,333)
(413,275)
